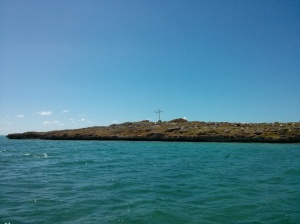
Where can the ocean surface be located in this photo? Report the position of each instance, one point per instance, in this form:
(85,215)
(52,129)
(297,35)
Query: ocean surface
(148,182)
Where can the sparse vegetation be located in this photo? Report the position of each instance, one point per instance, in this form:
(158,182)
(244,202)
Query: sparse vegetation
(178,130)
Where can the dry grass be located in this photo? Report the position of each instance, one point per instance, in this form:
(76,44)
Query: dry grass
(179,130)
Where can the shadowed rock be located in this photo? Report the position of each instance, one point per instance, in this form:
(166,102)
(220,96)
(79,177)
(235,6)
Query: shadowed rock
(177,130)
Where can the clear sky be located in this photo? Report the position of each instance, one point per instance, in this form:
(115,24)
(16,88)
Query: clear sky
(77,63)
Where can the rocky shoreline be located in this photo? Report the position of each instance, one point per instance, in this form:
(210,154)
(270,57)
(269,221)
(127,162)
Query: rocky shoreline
(177,130)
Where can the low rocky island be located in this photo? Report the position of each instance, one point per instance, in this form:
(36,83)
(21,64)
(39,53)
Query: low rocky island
(177,130)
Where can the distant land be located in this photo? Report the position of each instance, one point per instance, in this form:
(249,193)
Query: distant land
(177,130)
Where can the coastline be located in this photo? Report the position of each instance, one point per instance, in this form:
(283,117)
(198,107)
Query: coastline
(177,130)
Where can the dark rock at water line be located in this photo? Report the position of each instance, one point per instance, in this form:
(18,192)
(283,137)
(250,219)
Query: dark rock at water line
(177,130)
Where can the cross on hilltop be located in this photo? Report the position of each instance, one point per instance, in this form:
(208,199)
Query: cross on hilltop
(159,111)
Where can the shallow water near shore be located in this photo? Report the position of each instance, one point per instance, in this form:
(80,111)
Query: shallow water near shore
(148,182)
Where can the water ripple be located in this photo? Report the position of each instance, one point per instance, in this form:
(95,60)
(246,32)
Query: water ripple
(148,182)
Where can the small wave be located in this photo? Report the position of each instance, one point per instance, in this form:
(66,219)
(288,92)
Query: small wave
(38,155)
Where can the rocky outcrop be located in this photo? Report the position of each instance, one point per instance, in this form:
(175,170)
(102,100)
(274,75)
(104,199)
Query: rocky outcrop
(178,130)
(178,120)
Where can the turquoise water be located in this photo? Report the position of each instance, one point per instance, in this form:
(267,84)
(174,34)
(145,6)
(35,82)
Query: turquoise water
(148,182)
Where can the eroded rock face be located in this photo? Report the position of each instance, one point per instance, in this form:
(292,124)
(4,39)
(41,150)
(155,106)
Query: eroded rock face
(178,130)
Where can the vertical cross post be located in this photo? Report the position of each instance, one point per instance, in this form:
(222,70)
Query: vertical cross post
(159,111)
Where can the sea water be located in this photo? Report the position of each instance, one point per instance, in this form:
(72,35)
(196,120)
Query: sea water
(148,182)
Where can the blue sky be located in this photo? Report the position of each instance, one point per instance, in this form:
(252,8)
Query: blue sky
(71,64)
